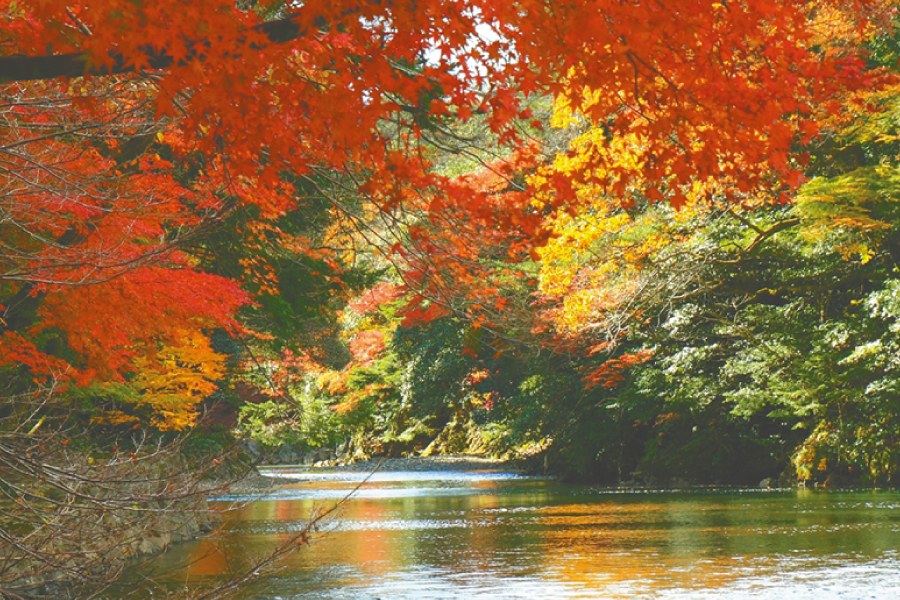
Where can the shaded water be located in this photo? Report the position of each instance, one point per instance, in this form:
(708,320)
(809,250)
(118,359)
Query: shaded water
(489,534)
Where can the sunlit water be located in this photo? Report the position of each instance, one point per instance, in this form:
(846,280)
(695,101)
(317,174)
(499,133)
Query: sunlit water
(495,535)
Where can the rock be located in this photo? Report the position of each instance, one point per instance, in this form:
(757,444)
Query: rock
(251,447)
(153,544)
(341,449)
(287,455)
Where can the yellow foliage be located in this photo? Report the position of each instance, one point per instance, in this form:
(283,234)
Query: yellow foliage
(177,378)
(113,417)
(838,25)
(617,220)
(335,382)
(579,308)
(594,258)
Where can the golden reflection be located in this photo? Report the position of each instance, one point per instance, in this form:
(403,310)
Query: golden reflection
(587,544)
(369,548)
(629,548)
(486,484)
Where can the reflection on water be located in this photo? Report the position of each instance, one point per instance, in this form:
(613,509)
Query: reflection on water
(462,535)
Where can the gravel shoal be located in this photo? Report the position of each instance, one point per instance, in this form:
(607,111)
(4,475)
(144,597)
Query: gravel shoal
(259,482)
(433,463)
(248,484)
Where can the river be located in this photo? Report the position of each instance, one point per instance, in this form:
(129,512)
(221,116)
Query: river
(490,534)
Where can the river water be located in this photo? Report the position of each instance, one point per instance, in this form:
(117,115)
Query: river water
(488,534)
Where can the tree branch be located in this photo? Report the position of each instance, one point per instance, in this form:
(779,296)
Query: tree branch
(77,64)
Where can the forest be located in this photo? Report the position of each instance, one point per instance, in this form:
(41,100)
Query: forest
(630,243)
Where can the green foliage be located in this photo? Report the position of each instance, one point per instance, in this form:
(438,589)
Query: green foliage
(309,423)
(773,333)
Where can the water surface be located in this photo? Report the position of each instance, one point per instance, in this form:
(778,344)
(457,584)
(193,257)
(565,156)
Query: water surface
(487,534)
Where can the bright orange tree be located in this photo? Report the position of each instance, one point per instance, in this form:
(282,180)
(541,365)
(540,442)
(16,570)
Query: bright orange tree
(130,129)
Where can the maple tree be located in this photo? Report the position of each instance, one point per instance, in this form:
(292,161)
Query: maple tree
(169,170)
(767,324)
(641,287)
(705,90)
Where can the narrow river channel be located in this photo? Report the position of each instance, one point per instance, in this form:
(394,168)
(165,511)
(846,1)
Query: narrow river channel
(490,534)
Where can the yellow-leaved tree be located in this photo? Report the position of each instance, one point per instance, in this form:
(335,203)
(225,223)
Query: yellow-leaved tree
(169,385)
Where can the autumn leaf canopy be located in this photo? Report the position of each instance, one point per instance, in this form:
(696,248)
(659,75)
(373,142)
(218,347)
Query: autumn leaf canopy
(131,130)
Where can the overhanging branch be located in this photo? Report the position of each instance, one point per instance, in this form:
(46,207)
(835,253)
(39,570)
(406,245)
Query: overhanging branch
(77,64)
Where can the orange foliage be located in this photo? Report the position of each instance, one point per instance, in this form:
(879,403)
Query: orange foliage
(610,373)
(683,92)
(480,227)
(114,323)
(16,350)
(366,347)
(176,379)
(373,298)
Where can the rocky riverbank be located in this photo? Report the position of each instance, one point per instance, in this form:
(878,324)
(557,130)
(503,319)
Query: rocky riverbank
(257,481)
(449,462)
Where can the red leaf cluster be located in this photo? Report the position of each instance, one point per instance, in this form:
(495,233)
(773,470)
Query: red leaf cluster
(611,372)
(102,178)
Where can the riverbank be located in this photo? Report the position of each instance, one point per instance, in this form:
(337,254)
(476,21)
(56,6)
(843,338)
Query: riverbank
(259,482)
(446,462)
